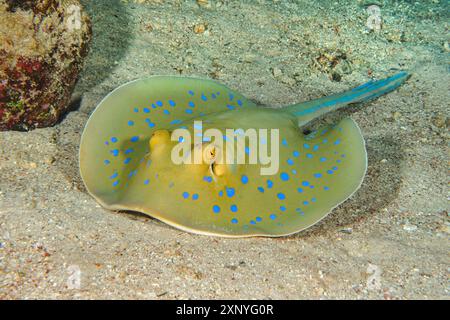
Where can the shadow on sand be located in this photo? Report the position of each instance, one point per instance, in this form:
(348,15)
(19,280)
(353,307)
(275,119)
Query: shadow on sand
(112,34)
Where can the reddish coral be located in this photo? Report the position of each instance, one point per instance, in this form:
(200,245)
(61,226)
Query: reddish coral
(40,59)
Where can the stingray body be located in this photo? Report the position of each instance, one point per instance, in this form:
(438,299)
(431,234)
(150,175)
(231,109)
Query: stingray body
(126,157)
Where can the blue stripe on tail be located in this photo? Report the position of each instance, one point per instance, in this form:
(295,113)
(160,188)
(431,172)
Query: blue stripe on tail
(363,93)
(382,82)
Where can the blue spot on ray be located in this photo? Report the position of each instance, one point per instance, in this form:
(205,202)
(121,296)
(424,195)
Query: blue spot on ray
(230,192)
(284,176)
(115,175)
(150,123)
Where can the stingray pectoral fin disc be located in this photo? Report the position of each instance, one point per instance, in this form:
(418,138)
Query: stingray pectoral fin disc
(115,140)
(317,172)
(332,163)
(123,167)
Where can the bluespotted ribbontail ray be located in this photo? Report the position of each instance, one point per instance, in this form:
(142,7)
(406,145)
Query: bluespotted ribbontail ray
(125,157)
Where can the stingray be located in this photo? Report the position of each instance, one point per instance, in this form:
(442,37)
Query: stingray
(126,157)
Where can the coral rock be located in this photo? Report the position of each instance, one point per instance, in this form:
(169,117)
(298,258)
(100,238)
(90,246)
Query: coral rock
(42,47)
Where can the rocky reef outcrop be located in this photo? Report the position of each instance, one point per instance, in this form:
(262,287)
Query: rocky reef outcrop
(42,48)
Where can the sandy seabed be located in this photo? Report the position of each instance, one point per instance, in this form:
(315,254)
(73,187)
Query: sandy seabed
(389,241)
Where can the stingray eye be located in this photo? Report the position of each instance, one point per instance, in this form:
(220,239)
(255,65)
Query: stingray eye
(219,169)
(211,154)
(159,138)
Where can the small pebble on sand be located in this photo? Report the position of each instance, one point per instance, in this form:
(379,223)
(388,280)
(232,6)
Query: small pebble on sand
(199,28)
(409,227)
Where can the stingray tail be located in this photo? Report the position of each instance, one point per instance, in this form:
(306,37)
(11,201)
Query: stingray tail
(309,110)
